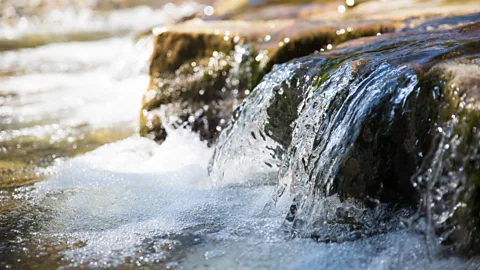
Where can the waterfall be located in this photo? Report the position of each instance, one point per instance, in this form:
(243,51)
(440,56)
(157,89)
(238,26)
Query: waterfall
(351,136)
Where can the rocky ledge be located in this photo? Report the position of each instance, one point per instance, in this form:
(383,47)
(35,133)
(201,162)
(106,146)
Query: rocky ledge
(381,113)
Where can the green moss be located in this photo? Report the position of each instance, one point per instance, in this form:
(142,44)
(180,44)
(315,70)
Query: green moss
(207,89)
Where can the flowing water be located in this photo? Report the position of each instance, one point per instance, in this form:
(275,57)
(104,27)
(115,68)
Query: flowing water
(133,203)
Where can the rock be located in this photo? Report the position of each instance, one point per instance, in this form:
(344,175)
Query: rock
(431,142)
(448,180)
(203,69)
(392,119)
(201,94)
(288,30)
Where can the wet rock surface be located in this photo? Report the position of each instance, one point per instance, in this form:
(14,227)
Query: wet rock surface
(287,30)
(367,128)
(388,139)
(215,64)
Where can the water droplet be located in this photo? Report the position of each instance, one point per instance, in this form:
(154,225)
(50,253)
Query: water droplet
(259,57)
(208,10)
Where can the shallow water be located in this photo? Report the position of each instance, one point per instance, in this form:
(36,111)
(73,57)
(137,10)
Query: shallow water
(135,203)
(132,202)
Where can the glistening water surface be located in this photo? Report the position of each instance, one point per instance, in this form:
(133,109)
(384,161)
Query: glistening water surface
(132,202)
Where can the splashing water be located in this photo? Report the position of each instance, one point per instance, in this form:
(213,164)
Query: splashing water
(246,146)
(346,134)
(328,122)
(335,112)
(136,203)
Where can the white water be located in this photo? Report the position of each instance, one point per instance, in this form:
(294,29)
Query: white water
(136,201)
(133,197)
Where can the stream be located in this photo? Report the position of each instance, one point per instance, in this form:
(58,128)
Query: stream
(99,195)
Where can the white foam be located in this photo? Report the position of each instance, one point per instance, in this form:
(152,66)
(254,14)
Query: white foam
(130,198)
(63,94)
(115,197)
(59,56)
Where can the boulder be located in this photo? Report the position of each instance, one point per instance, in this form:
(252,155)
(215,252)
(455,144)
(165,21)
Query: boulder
(203,69)
(424,150)
(387,120)
(448,179)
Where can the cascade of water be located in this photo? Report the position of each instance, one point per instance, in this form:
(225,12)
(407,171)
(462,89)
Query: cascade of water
(347,139)
(267,136)
(328,108)
(329,125)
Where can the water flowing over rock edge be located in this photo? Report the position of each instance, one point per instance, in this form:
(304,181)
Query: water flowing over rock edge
(360,127)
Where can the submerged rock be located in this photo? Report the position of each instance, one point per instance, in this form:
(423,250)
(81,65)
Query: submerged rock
(390,120)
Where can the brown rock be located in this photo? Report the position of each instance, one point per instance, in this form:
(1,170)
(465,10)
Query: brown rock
(215,64)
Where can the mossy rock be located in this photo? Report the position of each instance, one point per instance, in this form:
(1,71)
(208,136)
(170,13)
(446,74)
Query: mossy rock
(200,94)
(448,180)
(207,56)
(396,144)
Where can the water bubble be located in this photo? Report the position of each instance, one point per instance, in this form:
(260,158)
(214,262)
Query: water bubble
(213,254)
(259,57)
(208,10)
